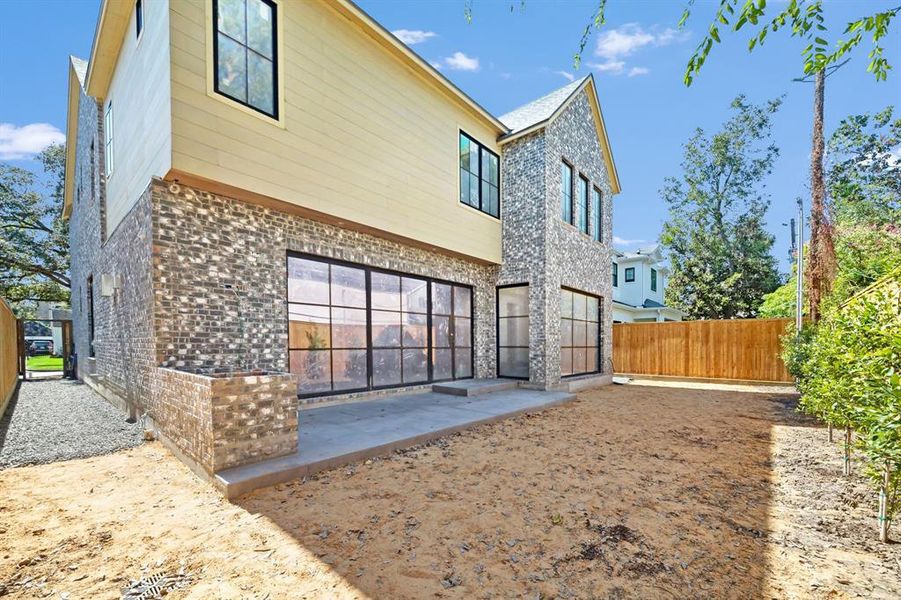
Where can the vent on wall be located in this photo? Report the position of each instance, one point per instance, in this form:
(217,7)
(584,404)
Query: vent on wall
(109,283)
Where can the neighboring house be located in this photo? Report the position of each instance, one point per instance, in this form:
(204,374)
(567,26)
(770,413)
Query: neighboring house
(263,184)
(639,279)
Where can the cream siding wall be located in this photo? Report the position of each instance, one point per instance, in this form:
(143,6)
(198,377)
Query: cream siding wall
(363,137)
(142,133)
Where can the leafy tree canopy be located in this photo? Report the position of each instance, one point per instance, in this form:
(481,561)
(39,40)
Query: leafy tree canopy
(34,238)
(720,253)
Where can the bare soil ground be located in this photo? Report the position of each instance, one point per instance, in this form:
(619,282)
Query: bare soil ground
(628,492)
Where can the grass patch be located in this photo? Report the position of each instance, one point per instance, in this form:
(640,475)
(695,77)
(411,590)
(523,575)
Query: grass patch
(44,363)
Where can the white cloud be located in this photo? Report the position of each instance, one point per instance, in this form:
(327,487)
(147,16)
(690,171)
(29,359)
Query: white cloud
(624,242)
(413,36)
(566,75)
(28,140)
(617,44)
(460,62)
(611,66)
(626,39)
(436,64)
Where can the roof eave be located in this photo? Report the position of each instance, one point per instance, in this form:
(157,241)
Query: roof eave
(108,37)
(72,109)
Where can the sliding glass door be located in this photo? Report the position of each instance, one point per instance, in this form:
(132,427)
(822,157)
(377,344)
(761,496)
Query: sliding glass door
(355,328)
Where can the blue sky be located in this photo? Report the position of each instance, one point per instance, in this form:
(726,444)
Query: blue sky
(509,55)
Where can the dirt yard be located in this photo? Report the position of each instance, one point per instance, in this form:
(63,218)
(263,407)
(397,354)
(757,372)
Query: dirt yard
(628,492)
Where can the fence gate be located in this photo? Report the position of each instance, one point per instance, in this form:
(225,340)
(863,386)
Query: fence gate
(31,332)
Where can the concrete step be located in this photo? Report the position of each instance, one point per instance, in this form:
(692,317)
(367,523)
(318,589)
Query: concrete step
(475,387)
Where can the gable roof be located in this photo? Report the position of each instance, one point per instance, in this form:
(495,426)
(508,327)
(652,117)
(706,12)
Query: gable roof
(537,115)
(539,110)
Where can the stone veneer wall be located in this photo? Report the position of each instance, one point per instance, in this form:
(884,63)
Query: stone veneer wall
(220,272)
(575,260)
(227,421)
(539,248)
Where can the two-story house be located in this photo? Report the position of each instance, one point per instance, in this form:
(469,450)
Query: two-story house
(285,186)
(639,279)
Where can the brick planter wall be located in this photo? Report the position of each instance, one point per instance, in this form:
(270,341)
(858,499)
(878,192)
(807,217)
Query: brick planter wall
(227,420)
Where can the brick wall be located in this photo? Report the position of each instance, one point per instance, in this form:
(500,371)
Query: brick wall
(225,421)
(220,272)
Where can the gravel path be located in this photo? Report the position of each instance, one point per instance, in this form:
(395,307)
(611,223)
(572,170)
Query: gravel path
(55,420)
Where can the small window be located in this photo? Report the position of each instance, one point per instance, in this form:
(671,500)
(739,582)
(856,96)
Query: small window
(93,171)
(566,192)
(630,274)
(108,138)
(653,280)
(245,53)
(479,176)
(582,205)
(596,212)
(90,294)
(139,18)
(615,275)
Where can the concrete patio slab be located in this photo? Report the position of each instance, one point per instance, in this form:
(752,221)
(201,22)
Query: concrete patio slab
(331,436)
(475,387)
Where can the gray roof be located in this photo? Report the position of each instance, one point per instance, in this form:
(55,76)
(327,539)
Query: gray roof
(81,68)
(648,303)
(539,110)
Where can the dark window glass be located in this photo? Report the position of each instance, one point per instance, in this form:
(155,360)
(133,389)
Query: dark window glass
(582,206)
(139,17)
(479,176)
(90,292)
(653,280)
(596,212)
(615,275)
(630,274)
(513,331)
(566,192)
(579,333)
(245,57)
(355,328)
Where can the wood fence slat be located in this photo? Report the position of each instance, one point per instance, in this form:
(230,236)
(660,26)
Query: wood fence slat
(743,349)
(9,354)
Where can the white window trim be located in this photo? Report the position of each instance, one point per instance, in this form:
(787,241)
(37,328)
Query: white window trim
(109,164)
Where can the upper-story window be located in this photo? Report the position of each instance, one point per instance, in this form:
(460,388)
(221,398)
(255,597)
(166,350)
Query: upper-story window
(653,280)
(566,192)
(109,163)
(630,274)
(480,176)
(596,212)
(244,53)
(139,17)
(615,275)
(582,205)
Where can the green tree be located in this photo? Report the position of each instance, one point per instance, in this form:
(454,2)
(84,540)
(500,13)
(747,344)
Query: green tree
(719,251)
(802,19)
(864,175)
(34,238)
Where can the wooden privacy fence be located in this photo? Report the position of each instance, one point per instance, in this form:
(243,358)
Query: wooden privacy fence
(9,354)
(747,349)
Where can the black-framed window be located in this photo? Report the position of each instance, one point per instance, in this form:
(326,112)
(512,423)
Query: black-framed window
(580,327)
(513,331)
(354,328)
(139,17)
(653,280)
(597,210)
(630,274)
(480,176)
(244,53)
(90,293)
(615,275)
(566,192)
(582,205)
